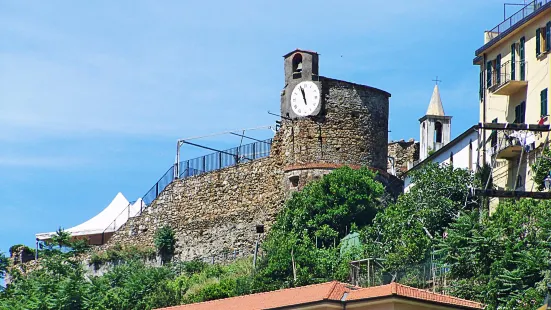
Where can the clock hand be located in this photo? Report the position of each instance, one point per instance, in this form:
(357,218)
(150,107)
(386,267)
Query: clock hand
(303,95)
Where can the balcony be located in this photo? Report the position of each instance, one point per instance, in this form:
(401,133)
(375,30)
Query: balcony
(507,147)
(509,79)
(512,21)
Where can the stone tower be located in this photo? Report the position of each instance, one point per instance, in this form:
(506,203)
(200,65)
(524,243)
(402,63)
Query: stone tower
(327,123)
(435,126)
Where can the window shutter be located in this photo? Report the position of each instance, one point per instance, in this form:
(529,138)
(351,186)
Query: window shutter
(494,134)
(498,69)
(523,112)
(548,37)
(513,64)
(481,85)
(538,41)
(543,100)
(522,55)
(489,74)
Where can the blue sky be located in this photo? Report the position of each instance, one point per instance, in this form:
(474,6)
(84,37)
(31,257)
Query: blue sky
(94,94)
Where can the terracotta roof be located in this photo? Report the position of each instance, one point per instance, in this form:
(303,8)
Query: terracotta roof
(330,292)
(299,50)
(275,299)
(397,289)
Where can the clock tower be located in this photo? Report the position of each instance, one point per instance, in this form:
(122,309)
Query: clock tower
(302,95)
(328,123)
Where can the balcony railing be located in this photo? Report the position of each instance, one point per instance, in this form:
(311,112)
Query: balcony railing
(508,79)
(506,146)
(520,15)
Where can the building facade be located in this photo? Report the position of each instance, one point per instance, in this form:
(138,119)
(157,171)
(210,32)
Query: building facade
(514,88)
(461,153)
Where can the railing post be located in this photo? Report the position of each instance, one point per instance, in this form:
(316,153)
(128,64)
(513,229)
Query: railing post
(254,150)
(204,164)
(187,167)
(219,160)
(156,189)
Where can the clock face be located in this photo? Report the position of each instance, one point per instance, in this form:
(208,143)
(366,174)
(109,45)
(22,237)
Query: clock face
(305,98)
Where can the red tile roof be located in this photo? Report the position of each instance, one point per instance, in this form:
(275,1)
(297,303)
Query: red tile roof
(397,289)
(280,298)
(329,291)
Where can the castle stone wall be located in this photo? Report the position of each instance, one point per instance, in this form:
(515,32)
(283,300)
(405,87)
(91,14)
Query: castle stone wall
(403,152)
(352,130)
(216,213)
(213,214)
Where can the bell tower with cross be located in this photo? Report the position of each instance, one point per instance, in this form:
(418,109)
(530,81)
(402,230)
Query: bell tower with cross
(435,126)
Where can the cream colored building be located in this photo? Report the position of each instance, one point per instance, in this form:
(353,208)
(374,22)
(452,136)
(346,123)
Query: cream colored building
(514,88)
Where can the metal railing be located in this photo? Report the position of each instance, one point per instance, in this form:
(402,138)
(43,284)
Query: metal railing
(189,168)
(520,15)
(226,158)
(502,141)
(507,72)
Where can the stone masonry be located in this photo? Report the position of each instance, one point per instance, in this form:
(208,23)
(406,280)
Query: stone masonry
(215,214)
(402,153)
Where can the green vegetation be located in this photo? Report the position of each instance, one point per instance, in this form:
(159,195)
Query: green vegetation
(501,260)
(542,168)
(4,263)
(165,241)
(118,253)
(307,232)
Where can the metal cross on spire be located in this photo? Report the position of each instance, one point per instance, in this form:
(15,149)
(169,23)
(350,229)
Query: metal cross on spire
(437,80)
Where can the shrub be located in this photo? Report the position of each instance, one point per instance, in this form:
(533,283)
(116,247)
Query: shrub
(165,240)
(21,247)
(119,253)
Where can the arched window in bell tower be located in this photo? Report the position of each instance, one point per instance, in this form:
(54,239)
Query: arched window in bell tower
(297,63)
(438,132)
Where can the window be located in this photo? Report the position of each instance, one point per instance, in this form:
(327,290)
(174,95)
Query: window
(513,64)
(538,41)
(294,181)
(543,102)
(542,39)
(493,72)
(297,63)
(494,134)
(438,132)
(520,111)
(519,182)
(522,55)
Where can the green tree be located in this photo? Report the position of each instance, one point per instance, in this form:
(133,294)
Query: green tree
(61,238)
(303,245)
(58,284)
(4,263)
(502,259)
(405,232)
(542,168)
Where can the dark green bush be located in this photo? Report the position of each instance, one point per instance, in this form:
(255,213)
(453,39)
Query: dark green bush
(165,240)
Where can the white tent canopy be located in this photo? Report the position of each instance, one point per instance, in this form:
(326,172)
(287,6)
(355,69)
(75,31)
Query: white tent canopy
(110,219)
